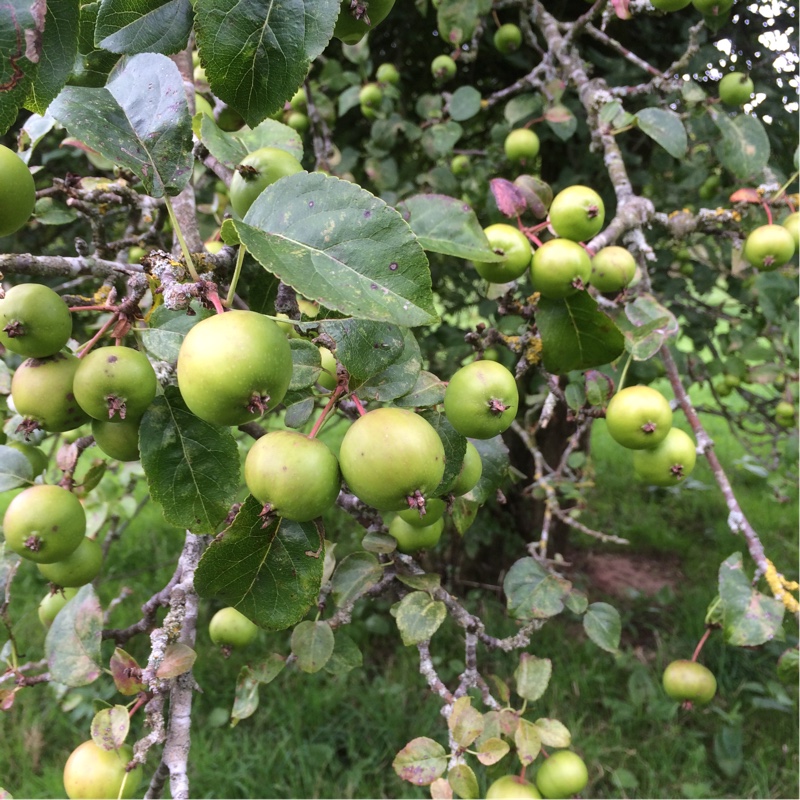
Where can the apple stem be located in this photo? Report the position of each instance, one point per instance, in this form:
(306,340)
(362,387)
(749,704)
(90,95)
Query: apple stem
(769,213)
(187,256)
(213,298)
(360,408)
(236,273)
(337,393)
(93,341)
(700,644)
(624,373)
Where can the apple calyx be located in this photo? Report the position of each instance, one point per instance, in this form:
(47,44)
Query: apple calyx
(14,329)
(649,427)
(359,11)
(267,512)
(258,403)
(27,427)
(497,407)
(417,501)
(33,543)
(116,405)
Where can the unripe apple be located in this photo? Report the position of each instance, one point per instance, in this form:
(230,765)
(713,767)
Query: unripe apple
(370,95)
(232,629)
(687,680)
(562,775)
(638,417)
(512,787)
(387,73)
(577,213)
(792,224)
(769,247)
(52,603)
(91,772)
(521,145)
(80,567)
(736,88)
(507,38)
(411,538)
(443,68)
(481,399)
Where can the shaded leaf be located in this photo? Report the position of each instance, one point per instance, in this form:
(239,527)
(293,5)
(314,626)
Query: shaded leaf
(192,467)
(231,147)
(345,657)
(447,225)
(429,582)
(399,377)
(428,390)
(143,26)
(272,575)
(455,445)
(334,241)
(15,469)
(463,780)
(646,326)
(312,643)
(603,626)
(532,592)
(526,738)
(139,120)
(167,330)
(744,148)
(72,646)
(245,699)
(665,128)
(576,334)
(465,103)
(532,676)
(379,543)
(21,26)
(495,460)
(421,761)
(256,53)
(110,727)
(419,617)
(354,575)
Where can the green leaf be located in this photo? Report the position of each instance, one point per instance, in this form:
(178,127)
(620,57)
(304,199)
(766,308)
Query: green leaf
(139,120)
(744,148)
(532,676)
(553,733)
(421,761)
(463,781)
(272,575)
(345,657)
(750,618)
(465,103)
(457,19)
(495,460)
(192,467)
(439,140)
(306,364)
(455,446)
(523,106)
(21,23)
(728,750)
(561,121)
(312,644)
(336,242)
(399,377)
(528,743)
(231,148)
(15,469)
(354,575)
(256,52)
(465,722)
(603,626)
(93,64)
(110,727)
(379,543)
(428,390)
(72,646)
(576,334)
(267,670)
(532,592)
(646,326)
(366,349)
(427,582)
(168,329)
(59,49)
(789,665)
(245,699)
(419,617)
(492,750)
(446,225)
(143,26)
(665,128)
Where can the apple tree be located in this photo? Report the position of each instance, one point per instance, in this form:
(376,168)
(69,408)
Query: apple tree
(379,267)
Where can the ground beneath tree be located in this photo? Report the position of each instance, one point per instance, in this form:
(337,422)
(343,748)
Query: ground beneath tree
(627,574)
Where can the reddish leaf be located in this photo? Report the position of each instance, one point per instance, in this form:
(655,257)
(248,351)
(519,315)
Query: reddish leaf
(621,8)
(510,200)
(745,196)
(126,673)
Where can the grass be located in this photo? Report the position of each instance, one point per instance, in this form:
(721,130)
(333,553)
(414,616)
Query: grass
(325,736)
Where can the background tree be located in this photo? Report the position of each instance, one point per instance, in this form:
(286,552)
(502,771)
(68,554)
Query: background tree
(282,165)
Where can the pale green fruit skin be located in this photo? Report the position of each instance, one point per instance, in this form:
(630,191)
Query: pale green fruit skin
(370,95)
(231,628)
(411,538)
(443,68)
(511,787)
(670,5)
(792,224)
(119,372)
(577,213)
(375,446)
(712,8)
(119,440)
(226,359)
(80,567)
(52,514)
(43,315)
(468,396)
(296,476)
(507,38)
(521,145)
(271,164)
(631,409)
(557,265)
(613,269)
(562,775)
(298,121)
(17,192)
(688,680)
(36,457)
(669,462)
(511,242)
(460,165)
(769,247)
(434,511)
(471,471)
(52,603)
(735,88)
(92,773)
(387,73)
(42,390)
(327,378)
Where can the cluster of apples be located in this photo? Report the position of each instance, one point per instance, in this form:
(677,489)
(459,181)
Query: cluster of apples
(640,419)
(561,266)
(562,774)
